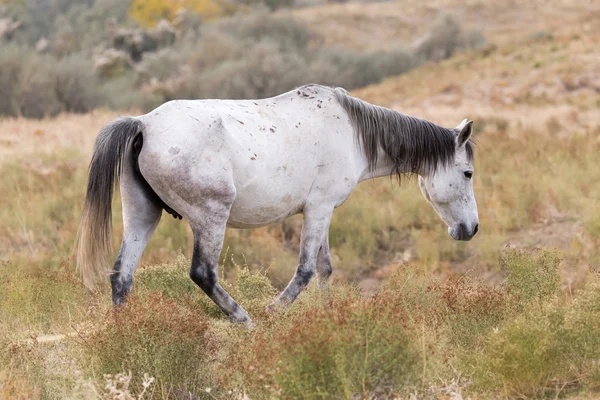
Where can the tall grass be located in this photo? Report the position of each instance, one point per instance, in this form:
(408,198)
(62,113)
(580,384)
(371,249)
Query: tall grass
(416,335)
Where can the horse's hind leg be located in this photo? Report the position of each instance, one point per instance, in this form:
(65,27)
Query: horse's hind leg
(140,218)
(209,231)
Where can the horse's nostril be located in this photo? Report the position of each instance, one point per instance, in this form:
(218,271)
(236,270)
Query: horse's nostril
(476,229)
(462,232)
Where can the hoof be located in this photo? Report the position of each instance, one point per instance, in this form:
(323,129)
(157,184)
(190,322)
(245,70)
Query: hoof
(119,301)
(244,320)
(276,306)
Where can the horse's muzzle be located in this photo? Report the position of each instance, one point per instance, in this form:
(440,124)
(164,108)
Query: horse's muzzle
(461,232)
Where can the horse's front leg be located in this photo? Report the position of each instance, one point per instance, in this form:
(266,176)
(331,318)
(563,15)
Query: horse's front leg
(324,268)
(314,232)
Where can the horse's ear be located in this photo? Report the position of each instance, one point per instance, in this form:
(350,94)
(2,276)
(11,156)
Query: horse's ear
(464,129)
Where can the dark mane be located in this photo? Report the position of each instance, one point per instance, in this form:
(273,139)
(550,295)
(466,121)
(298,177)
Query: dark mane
(414,145)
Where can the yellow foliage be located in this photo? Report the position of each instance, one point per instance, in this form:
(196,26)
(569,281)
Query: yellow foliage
(149,12)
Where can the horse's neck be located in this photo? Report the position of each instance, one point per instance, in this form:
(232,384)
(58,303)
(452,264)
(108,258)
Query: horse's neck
(384,167)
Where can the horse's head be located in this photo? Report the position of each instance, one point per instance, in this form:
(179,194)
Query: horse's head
(450,188)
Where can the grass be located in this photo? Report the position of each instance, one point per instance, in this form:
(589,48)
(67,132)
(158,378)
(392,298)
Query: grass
(416,335)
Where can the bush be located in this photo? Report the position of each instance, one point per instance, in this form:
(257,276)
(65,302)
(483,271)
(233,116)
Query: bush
(76,85)
(265,72)
(520,359)
(40,85)
(544,350)
(251,289)
(289,34)
(35,97)
(441,42)
(395,61)
(10,59)
(337,347)
(445,38)
(155,335)
(548,346)
(172,279)
(579,337)
(471,309)
(533,276)
(345,68)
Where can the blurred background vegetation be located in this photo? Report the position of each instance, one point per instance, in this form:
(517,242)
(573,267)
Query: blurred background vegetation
(74,56)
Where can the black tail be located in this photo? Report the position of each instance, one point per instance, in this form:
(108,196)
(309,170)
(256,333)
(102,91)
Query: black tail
(94,236)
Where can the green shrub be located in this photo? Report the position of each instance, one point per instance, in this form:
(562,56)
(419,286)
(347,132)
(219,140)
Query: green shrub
(345,68)
(533,275)
(395,61)
(251,289)
(122,93)
(11,61)
(520,359)
(548,347)
(580,337)
(155,335)
(445,38)
(335,347)
(76,85)
(289,34)
(38,299)
(42,85)
(471,310)
(35,97)
(172,279)
(264,72)
(441,41)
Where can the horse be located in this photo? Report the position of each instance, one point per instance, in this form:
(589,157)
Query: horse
(249,163)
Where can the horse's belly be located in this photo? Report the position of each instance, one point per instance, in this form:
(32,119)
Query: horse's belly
(261,212)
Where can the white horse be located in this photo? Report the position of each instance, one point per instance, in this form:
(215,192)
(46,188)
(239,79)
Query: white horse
(249,163)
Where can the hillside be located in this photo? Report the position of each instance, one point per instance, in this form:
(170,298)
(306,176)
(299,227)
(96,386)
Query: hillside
(381,25)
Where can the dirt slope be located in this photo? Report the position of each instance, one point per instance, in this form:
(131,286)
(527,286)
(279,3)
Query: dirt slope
(380,25)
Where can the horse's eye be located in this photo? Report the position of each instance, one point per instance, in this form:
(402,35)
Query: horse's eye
(468,174)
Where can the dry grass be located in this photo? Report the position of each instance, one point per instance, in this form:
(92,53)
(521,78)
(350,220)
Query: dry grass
(418,335)
(25,139)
